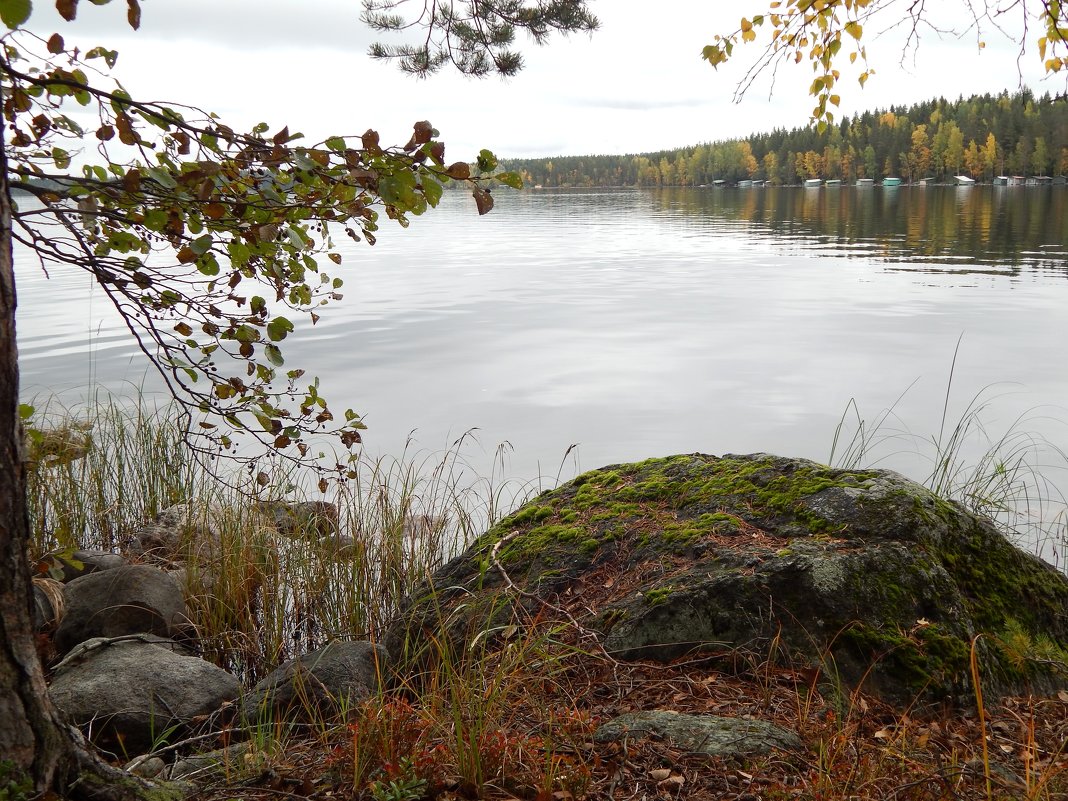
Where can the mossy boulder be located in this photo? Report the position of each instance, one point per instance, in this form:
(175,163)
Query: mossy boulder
(863,574)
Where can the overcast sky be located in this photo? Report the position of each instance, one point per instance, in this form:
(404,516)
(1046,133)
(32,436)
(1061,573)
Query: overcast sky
(638,84)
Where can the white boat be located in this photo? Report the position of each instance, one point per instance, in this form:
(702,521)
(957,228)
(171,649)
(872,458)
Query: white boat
(891,181)
(964,180)
(813,182)
(745,184)
(833,182)
(865,182)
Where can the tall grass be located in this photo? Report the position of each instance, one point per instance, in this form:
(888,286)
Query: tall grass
(1010,473)
(258,594)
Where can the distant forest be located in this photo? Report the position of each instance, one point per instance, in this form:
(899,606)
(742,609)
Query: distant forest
(981,137)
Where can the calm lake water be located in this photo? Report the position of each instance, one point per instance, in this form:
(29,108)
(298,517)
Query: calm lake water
(643,323)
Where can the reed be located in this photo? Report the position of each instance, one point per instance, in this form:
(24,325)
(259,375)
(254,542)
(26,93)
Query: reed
(1010,473)
(259,594)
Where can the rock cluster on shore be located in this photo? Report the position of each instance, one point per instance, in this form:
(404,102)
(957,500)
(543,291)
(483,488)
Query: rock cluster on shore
(863,577)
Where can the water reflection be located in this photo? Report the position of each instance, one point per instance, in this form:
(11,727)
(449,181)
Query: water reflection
(645,323)
(932,229)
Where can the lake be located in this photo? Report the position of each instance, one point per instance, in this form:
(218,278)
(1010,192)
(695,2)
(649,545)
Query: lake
(639,323)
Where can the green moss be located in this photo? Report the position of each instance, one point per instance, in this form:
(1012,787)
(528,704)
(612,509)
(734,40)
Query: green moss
(532,513)
(659,595)
(933,660)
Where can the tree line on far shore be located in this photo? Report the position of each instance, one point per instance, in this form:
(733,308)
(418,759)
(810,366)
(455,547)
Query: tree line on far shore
(982,137)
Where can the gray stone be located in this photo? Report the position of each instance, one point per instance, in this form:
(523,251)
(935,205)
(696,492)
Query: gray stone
(861,573)
(130,694)
(126,600)
(203,768)
(177,532)
(313,519)
(338,674)
(710,735)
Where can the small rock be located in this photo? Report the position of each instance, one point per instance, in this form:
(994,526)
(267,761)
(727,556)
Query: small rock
(338,673)
(303,518)
(703,734)
(126,600)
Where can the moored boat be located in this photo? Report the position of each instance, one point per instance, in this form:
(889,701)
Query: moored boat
(964,180)
(813,182)
(891,181)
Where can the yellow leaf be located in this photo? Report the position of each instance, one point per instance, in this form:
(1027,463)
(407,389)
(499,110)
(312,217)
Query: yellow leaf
(854,29)
(1042,47)
(863,78)
(749,35)
(746,25)
(852,57)
(835,100)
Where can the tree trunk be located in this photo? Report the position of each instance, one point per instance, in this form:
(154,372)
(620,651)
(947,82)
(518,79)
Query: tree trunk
(32,736)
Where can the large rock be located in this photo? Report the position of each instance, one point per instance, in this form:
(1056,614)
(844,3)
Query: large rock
(133,693)
(333,677)
(863,574)
(126,600)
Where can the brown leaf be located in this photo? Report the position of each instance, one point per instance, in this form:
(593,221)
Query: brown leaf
(483,200)
(131,181)
(127,134)
(267,233)
(423,131)
(461,171)
(370,141)
(105,133)
(214,211)
(68,9)
(55,44)
(281,137)
(186,255)
(659,774)
(673,783)
(133,14)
